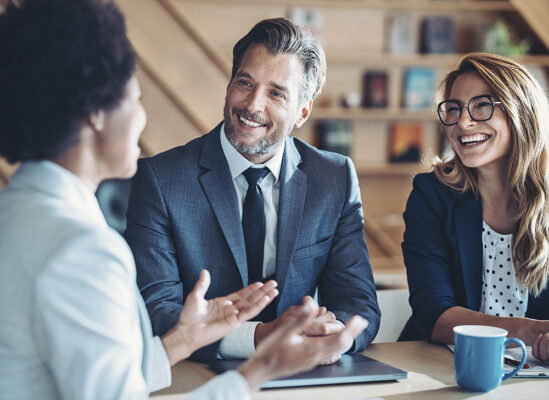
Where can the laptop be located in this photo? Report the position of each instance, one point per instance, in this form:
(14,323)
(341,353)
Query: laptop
(351,368)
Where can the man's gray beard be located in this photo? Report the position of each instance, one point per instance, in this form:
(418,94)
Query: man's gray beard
(265,146)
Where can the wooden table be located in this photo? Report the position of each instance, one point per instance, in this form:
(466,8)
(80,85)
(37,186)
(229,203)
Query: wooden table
(430,376)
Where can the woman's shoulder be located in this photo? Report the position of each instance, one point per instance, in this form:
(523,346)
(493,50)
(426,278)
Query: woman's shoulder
(428,182)
(429,193)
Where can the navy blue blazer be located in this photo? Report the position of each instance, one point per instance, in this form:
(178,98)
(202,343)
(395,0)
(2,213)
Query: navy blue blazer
(442,251)
(183,216)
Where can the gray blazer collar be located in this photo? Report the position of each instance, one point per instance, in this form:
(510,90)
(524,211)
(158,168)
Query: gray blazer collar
(219,189)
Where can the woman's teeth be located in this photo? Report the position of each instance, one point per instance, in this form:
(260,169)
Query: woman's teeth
(472,139)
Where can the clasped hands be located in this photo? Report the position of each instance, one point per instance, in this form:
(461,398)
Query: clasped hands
(324,323)
(299,339)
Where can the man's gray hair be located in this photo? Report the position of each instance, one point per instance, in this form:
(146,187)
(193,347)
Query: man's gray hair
(280,36)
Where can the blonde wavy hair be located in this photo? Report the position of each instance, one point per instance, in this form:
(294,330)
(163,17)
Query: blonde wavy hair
(525,104)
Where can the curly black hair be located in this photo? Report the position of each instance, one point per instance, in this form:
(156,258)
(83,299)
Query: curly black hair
(61,61)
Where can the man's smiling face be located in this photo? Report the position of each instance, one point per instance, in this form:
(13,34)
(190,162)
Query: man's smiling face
(262,103)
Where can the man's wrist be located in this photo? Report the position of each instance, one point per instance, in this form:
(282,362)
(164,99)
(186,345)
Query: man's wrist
(262,330)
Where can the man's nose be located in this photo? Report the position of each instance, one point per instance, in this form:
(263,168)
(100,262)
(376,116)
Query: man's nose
(256,101)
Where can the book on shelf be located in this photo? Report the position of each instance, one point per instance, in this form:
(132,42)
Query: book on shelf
(375,89)
(437,35)
(401,33)
(335,135)
(419,88)
(405,142)
(310,20)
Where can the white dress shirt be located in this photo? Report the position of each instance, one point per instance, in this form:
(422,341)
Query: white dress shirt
(240,343)
(74,325)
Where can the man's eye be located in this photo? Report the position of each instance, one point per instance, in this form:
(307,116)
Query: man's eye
(244,83)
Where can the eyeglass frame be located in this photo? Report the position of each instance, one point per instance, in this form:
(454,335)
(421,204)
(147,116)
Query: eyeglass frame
(492,102)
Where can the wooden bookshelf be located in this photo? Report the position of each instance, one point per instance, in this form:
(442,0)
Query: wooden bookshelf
(425,60)
(391,169)
(412,5)
(374,114)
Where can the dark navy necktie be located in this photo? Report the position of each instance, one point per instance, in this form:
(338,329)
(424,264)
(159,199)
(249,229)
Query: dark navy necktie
(253,223)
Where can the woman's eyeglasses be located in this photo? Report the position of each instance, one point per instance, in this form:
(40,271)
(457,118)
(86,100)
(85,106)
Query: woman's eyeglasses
(480,108)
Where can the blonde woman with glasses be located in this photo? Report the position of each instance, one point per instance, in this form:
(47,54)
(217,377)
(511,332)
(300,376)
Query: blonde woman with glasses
(476,242)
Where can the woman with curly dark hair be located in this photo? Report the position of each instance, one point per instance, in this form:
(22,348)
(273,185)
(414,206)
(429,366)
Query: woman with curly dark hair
(74,324)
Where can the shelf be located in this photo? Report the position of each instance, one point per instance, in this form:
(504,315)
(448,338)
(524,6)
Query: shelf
(404,60)
(391,169)
(374,114)
(412,5)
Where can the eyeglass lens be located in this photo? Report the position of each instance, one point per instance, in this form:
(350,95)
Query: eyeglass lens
(480,109)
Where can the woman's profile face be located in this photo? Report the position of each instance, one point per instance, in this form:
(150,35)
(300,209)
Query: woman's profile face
(478,144)
(118,147)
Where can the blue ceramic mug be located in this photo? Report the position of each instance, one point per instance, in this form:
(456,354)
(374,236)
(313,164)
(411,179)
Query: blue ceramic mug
(479,355)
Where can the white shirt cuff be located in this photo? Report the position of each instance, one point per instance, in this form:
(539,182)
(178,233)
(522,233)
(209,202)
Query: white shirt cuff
(240,343)
(228,386)
(159,371)
(348,347)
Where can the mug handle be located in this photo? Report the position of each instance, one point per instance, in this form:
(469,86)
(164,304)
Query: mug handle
(524,353)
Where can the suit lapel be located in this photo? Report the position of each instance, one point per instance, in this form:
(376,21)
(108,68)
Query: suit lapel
(468,222)
(219,189)
(293,191)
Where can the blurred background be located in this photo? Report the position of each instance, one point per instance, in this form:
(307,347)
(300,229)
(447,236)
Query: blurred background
(385,61)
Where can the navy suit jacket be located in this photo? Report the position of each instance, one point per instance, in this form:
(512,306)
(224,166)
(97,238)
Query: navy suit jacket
(443,255)
(183,216)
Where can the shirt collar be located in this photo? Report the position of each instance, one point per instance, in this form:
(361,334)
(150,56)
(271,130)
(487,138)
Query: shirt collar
(238,163)
(55,181)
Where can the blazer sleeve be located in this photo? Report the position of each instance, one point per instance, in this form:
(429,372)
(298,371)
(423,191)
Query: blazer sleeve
(346,285)
(148,234)
(428,257)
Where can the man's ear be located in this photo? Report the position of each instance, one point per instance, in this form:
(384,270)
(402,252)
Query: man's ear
(305,112)
(97,121)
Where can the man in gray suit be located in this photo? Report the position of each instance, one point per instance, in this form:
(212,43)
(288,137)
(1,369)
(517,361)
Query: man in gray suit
(249,202)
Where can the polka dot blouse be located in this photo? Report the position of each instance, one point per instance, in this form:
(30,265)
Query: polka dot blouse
(501,295)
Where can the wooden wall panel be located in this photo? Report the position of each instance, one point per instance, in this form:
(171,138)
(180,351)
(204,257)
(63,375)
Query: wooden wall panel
(166,126)
(225,24)
(156,34)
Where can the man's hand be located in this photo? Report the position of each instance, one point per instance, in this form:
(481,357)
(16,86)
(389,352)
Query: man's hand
(324,323)
(287,351)
(202,321)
